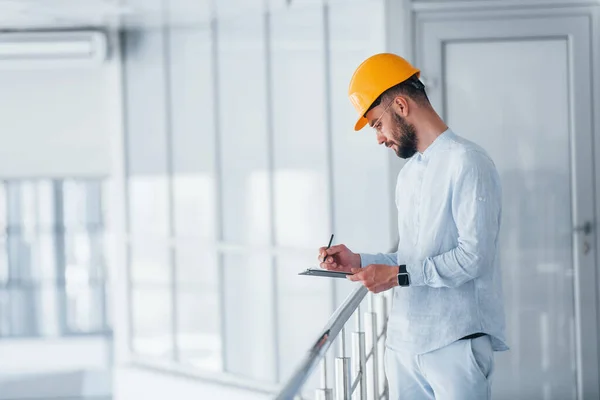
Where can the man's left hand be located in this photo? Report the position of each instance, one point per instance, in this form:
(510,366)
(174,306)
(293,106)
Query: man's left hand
(376,277)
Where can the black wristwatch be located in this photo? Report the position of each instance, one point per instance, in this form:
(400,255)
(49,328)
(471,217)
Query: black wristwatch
(403,276)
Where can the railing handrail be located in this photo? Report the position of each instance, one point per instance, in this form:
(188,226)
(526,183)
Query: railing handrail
(316,353)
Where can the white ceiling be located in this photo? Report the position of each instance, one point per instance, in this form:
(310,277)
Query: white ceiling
(35,14)
(39,14)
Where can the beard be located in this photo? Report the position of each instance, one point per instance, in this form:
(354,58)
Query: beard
(405,136)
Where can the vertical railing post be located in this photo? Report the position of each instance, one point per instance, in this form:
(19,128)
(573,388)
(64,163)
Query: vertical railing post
(383,310)
(359,358)
(342,378)
(371,344)
(343,342)
(324,393)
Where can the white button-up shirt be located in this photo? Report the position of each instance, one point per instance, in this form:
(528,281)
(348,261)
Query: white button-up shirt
(449,210)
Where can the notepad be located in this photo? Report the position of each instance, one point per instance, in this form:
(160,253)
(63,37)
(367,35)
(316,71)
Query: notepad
(325,273)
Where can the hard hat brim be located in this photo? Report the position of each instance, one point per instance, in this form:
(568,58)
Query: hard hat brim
(362,121)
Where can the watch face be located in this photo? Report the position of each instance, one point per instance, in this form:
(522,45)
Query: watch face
(403,280)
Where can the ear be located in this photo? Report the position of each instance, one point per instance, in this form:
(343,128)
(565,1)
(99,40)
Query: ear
(401,106)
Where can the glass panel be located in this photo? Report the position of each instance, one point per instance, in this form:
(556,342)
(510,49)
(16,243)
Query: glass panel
(50,308)
(198,314)
(13,204)
(536,252)
(145,98)
(20,257)
(5,325)
(30,244)
(36,304)
(85,307)
(198,327)
(3,239)
(150,262)
(194,206)
(46,205)
(44,259)
(97,263)
(3,207)
(30,310)
(94,203)
(248,309)
(4,274)
(109,306)
(32,258)
(196,266)
(244,130)
(75,207)
(192,105)
(84,256)
(301,192)
(28,203)
(304,306)
(77,252)
(148,206)
(23,311)
(152,321)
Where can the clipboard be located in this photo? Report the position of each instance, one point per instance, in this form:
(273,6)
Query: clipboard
(325,273)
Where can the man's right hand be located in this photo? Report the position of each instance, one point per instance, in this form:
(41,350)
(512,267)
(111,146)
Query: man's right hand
(338,258)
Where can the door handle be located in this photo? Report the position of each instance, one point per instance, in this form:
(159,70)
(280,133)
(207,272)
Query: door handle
(586,228)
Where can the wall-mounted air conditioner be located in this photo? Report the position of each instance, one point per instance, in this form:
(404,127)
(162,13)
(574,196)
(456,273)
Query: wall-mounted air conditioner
(60,48)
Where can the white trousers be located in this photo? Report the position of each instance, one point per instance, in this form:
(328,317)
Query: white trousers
(459,371)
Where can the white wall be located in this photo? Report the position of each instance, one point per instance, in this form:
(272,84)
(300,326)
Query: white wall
(56,121)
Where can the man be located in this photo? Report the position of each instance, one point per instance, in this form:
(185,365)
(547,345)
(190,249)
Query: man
(447,317)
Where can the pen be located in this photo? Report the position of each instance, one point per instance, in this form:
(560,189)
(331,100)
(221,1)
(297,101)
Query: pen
(328,246)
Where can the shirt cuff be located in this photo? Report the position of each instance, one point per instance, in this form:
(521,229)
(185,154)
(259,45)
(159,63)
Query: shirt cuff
(367,259)
(417,273)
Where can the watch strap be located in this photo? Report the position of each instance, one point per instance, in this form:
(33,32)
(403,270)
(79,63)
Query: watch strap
(403,276)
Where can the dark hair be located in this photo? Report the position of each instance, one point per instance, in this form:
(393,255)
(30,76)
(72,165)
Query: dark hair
(412,87)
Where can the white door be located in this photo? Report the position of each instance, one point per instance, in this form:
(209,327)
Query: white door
(519,85)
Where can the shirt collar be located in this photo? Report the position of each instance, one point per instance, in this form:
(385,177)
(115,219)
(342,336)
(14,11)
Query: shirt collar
(440,139)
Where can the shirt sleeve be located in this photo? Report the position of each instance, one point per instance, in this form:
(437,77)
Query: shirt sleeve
(380,258)
(476,210)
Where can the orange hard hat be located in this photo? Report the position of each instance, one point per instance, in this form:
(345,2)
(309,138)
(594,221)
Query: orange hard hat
(374,76)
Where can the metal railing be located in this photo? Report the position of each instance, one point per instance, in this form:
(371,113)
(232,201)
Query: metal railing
(359,376)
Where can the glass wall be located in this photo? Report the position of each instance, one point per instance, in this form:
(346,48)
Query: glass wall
(52,268)
(231,180)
